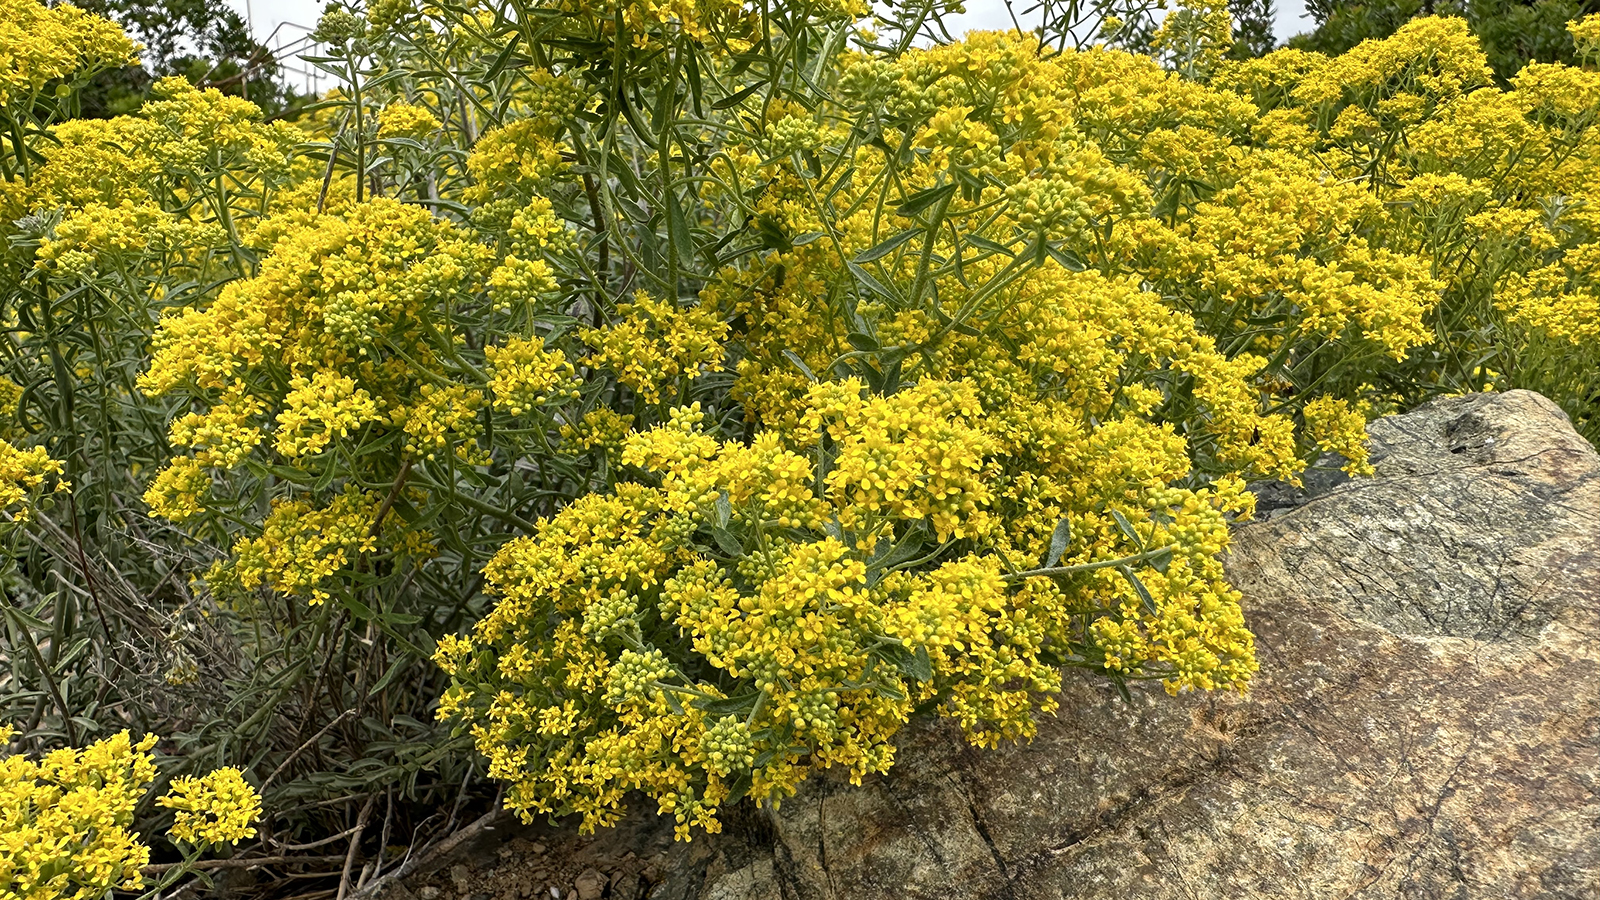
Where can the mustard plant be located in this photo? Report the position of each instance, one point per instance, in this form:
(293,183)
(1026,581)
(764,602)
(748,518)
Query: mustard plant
(614,396)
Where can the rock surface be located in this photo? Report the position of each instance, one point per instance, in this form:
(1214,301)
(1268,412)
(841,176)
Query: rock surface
(1426,723)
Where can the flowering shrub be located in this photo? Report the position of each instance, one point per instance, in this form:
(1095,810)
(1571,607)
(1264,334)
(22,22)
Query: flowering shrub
(707,389)
(754,617)
(907,520)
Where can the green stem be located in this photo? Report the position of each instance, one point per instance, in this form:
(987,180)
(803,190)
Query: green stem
(1089,567)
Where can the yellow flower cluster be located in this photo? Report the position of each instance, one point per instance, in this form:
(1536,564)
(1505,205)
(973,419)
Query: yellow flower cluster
(655,343)
(552,99)
(42,44)
(66,818)
(224,434)
(523,375)
(521,155)
(302,548)
(519,283)
(179,490)
(1301,254)
(695,467)
(218,807)
(963,459)
(1435,58)
(1335,426)
(915,455)
(181,141)
(320,408)
(22,473)
(1586,34)
(1561,301)
(336,340)
(333,295)
(599,429)
(119,234)
(442,418)
(1479,194)
(406,120)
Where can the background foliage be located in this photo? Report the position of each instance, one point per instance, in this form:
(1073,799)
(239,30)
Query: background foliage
(208,43)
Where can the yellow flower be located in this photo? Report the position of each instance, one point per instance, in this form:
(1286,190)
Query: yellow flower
(1335,426)
(226,433)
(219,807)
(407,120)
(1586,34)
(517,156)
(302,548)
(440,418)
(179,491)
(655,343)
(523,375)
(22,473)
(519,282)
(319,409)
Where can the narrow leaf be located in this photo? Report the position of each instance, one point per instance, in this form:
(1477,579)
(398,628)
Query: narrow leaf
(984,243)
(1148,601)
(800,364)
(1068,260)
(679,226)
(726,540)
(1127,529)
(738,98)
(872,284)
(691,71)
(863,342)
(500,61)
(672,700)
(1059,540)
(888,246)
(921,200)
(728,706)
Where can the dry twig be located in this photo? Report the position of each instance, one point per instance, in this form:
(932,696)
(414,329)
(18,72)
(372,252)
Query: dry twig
(355,844)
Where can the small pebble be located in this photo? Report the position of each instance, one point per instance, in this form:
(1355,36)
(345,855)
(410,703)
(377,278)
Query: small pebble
(591,885)
(622,886)
(428,892)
